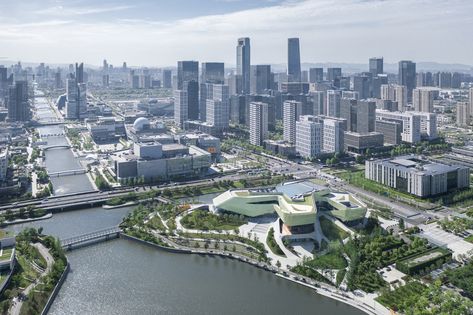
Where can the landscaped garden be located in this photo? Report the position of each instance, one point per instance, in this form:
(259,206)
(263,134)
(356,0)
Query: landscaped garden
(205,220)
(331,230)
(273,245)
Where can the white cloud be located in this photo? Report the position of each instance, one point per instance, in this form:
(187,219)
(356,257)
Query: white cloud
(330,30)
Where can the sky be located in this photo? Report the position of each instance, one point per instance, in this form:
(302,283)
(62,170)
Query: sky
(160,32)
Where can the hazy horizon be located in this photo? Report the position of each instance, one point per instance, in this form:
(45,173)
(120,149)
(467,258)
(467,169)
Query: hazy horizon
(159,33)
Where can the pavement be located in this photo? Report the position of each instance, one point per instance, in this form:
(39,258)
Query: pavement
(439,237)
(15,310)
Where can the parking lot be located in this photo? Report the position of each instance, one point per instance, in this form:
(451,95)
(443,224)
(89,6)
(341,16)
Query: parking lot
(439,237)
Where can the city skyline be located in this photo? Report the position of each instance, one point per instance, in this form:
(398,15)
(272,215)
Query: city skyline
(351,31)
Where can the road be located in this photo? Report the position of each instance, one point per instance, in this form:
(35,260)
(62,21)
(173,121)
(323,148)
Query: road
(17,304)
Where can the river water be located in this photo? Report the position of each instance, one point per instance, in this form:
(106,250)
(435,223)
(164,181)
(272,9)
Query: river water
(59,159)
(124,277)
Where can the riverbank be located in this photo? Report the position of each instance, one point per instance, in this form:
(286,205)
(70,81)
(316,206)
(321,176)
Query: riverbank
(20,221)
(126,204)
(318,287)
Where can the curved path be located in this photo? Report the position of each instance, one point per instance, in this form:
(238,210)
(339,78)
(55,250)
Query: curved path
(15,310)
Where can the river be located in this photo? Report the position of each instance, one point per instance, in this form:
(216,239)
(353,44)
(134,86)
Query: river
(59,159)
(124,277)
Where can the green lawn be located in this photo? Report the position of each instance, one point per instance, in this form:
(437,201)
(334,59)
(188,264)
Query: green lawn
(204,220)
(333,260)
(469,239)
(331,231)
(273,245)
(6,253)
(156,224)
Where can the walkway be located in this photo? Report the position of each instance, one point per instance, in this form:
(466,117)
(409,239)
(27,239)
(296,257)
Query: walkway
(15,310)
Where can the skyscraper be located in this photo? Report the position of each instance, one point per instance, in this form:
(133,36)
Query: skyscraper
(187,71)
(180,107)
(80,72)
(316,75)
(291,112)
(218,107)
(213,72)
(423,100)
(17,102)
(376,66)
(258,122)
(260,79)
(192,89)
(360,115)
(333,103)
(167,79)
(361,84)
(243,66)
(334,74)
(318,99)
(407,76)
(293,60)
(463,114)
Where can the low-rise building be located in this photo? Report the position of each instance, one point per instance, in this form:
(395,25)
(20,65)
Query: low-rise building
(417,176)
(360,142)
(105,128)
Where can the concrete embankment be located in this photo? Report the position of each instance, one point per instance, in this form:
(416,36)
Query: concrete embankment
(56,290)
(19,221)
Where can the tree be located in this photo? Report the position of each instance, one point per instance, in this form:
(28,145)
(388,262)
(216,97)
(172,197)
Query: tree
(401,224)
(278,264)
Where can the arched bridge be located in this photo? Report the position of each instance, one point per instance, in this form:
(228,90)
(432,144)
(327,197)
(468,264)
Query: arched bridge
(90,238)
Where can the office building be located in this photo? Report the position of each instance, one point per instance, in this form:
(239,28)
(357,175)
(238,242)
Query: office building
(316,75)
(360,115)
(350,95)
(18,104)
(4,156)
(362,85)
(360,142)
(333,134)
(218,107)
(333,103)
(463,114)
(334,74)
(293,60)
(410,124)
(407,76)
(423,100)
(417,176)
(395,93)
(76,98)
(309,140)
(260,79)
(291,112)
(167,79)
(180,107)
(318,99)
(243,52)
(391,131)
(376,66)
(213,72)
(470,99)
(258,120)
(187,71)
(80,72)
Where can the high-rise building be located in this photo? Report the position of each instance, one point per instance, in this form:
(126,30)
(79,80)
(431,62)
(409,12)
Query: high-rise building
(218,107)
(351,95)
(243,66)
(411,123)
(463,114)
(309,140)
(333,103)
(213,72)
(470,98)
(334,74)
(333,134)
(376,66)
(258,122)
(293,60)
(361,84)
(260,79)
(316,75)
(423,100)
(167,79)
(407,76)
(57,79)
(187,71)
(318,99)
(395,93)
(360,115)
(291,112)
(192,89)
(18,104)
(180,107)
(80,72)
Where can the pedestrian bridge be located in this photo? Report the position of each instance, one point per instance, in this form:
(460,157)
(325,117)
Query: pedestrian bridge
(91,238)
(67,173)
(57,146)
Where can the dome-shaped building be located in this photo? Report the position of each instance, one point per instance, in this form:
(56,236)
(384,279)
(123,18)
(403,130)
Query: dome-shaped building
(141,124)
